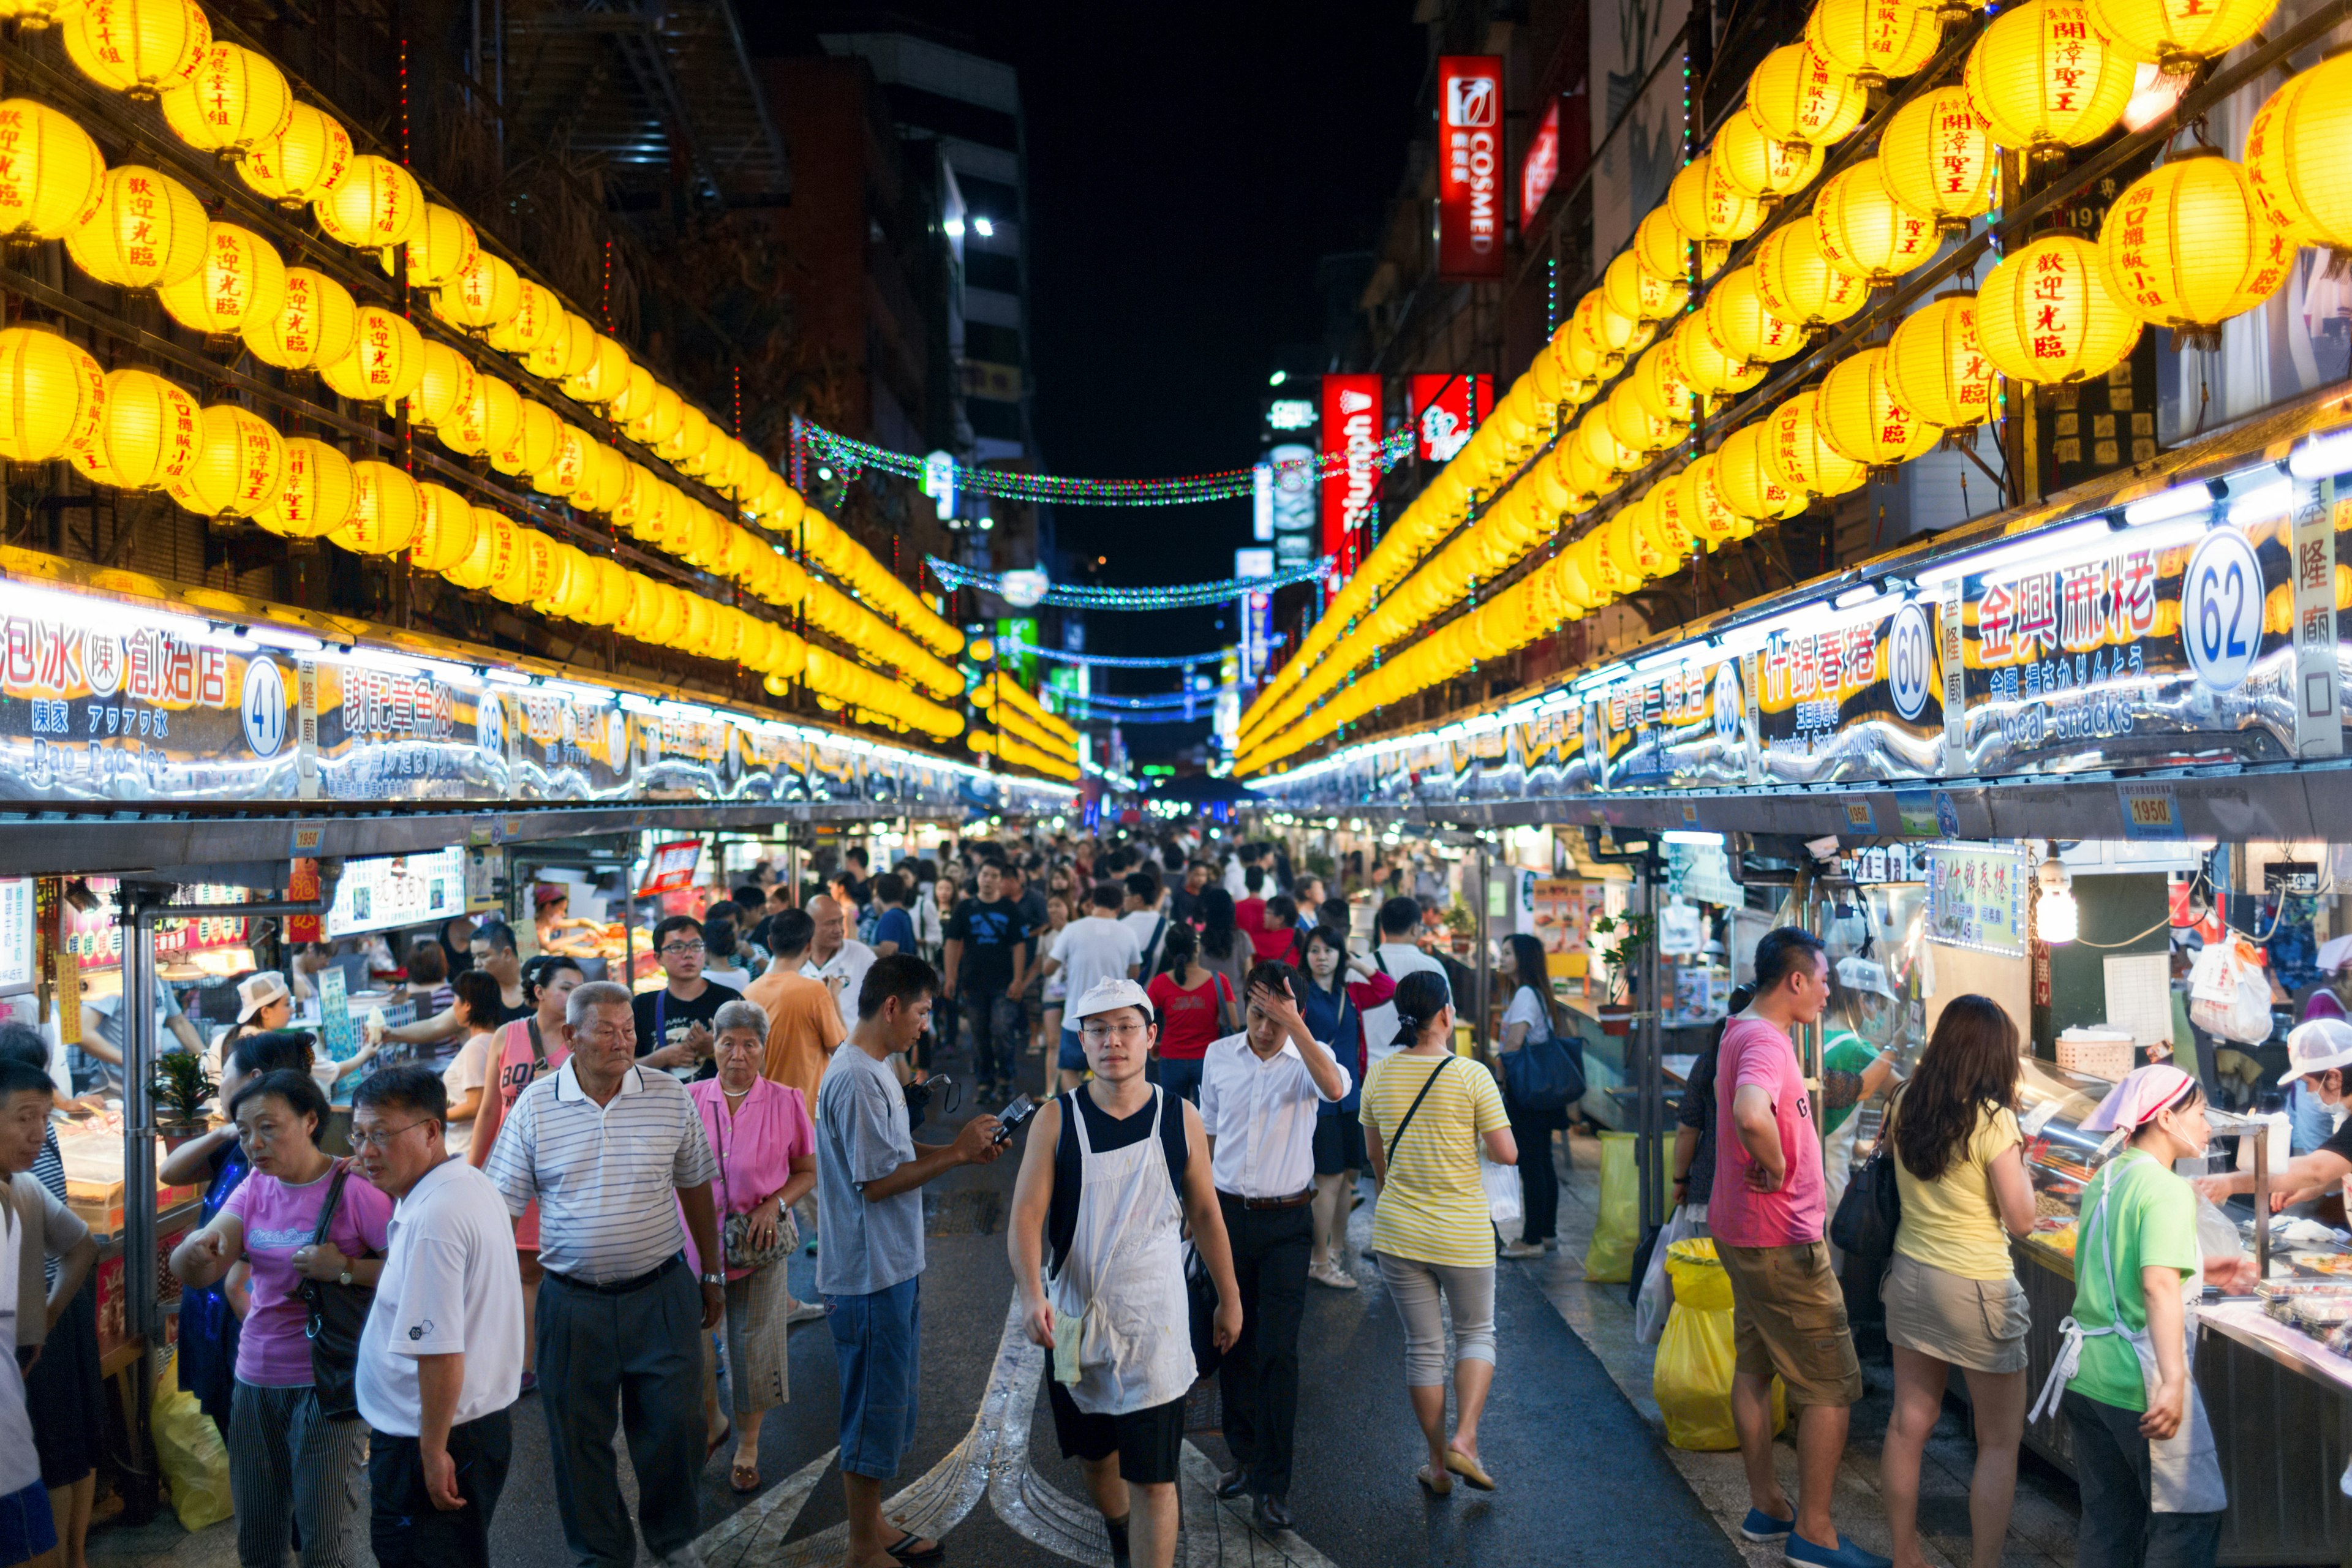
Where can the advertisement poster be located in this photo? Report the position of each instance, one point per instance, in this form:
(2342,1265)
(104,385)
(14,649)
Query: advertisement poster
(17,951)
(1976,897)
(671,868)
(1563,908)
(1862,701)
(337,1035)
(1294,504)
(1445,410)
(1469,167)
(379,892)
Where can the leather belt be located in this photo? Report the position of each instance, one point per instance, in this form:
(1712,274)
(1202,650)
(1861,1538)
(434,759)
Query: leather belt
(620,1286)
(1291,1201)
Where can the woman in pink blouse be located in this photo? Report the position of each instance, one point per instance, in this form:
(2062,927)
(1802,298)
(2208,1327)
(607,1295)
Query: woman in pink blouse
(766,1147)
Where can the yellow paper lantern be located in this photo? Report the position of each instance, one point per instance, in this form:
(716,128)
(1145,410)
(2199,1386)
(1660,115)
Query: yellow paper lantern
(1585,477)
(636,395)
(1798,454)
(1747,480)
(1705,204)
(525,575)
(315,492)
(51,173)
(1797,95)
(538,316)
(1743,326)
(693,434)
(35,15)
(2188,246)
(1608,333)
(1665,524)
(2179,35)
(2295,157)
(300,163)
(444,529)
(1796,283)
(1861,419)
(386,510)
(532,444)
(136,46)
(378,204)
(1633,537)
(1633,290)
(1708,365)
(600,380)
(1874,41)
(573,584)
(146,229)
(1937,156)
(1702,506)
(492,554)
(315,324)
(567,466)
(1865,231)
(386,359)
(52,394)
(148,433)
(239,284)
(442,246)
(443,389)
(1665,251)
(603,481)
(483,294)
(2045,79)
(487,422)
(1659,387)
(1935,366)
(1633,425)
(659,420)
(1757,163)
(2048,313)
(231,99)
(240,461)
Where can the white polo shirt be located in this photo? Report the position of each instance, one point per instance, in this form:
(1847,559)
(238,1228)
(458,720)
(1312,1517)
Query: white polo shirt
(449,1286)
(606,1177)
(850,963)
(1262,1115)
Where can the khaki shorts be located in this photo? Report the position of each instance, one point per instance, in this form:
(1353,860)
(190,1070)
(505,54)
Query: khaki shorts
(1788,1316)
(1978,1324)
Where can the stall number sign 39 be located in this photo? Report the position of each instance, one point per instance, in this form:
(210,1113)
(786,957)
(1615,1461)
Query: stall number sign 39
(2221,609)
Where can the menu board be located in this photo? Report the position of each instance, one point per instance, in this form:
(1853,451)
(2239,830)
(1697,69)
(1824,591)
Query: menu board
(94,937)
(385,892)
(18,958)
(1562,910)
(1976,897)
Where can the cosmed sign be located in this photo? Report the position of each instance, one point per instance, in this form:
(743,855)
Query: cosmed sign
(1470,166)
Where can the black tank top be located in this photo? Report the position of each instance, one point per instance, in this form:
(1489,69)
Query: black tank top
(1105,1133)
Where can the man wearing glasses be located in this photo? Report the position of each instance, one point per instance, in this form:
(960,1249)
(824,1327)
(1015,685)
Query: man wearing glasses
(673,1023)
(440,1361)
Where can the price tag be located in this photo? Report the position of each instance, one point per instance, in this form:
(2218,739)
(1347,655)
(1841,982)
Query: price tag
(2151,811)
(2222,610)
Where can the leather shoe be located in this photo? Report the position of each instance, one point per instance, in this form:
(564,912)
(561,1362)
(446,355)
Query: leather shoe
(1231,1484)
(1271,1512)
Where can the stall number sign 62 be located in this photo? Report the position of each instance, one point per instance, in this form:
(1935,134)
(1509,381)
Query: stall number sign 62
(2221,609)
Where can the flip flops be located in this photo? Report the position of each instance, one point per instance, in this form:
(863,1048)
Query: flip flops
(1469,1469)
(938,1553)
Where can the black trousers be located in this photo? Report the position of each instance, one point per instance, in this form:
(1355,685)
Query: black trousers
(405,1528)
(1538,1177)
(1260,1374)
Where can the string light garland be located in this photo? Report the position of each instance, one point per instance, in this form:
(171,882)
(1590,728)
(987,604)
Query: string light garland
(1158,701)
(1181,597)
(851,459)
(1113,661)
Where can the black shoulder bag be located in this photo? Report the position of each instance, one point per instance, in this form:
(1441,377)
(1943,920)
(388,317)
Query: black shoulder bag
(336,1312)
(1872,1209)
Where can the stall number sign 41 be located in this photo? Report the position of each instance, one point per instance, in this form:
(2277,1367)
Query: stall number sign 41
(2221,609)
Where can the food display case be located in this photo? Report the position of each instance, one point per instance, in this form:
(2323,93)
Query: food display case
(2275,1369)
(92,1151)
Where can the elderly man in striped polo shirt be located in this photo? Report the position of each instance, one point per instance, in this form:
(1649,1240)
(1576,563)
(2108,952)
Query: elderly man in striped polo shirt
(611,1153)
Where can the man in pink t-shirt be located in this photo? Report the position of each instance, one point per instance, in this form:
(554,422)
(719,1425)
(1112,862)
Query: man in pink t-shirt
(1787,1311)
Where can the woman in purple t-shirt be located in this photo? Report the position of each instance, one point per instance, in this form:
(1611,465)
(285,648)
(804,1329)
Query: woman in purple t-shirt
(289,1462)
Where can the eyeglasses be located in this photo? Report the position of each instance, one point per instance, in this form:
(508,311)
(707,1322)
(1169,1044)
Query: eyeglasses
(381,1138)
(679,949)
(1112,1031)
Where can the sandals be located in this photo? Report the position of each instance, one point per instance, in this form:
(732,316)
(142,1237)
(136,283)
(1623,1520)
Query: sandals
(1469,1469)
(937,1554)
(725,1433)
(744,1479)
(1441,1485)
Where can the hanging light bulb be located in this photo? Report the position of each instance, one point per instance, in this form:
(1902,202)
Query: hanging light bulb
(2056,919)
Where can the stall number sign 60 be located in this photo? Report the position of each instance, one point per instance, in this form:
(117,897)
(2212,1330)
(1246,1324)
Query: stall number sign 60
(1910,661)
(2221,609)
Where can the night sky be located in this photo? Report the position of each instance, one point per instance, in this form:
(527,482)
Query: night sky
(1188,165)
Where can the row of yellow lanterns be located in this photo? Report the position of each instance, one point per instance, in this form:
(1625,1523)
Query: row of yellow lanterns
(1017,712)
(1007,745)
(2195,242)
(139,228)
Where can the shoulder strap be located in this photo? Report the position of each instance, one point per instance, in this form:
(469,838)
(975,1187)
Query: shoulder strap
(1427,1084)
(538,1048)
(1379,962)
(334,1196)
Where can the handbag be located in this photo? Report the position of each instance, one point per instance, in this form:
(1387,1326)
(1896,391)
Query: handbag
(336,1312)
(1542,1077)
(735,1231)
(1201,1302)
(1872,1209)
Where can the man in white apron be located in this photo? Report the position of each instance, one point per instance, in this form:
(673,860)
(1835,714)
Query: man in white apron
(1113,1171)
(2144,1455)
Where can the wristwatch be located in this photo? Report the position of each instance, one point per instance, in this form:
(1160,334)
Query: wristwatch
(344,1277)
(714,1278)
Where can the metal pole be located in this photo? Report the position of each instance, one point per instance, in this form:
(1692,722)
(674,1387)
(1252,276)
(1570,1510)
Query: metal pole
(1480,969)
(137,913)
(1650,1118)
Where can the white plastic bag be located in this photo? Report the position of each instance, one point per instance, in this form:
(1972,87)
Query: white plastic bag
(2230,993)
(1504,1203)
(1657,1298)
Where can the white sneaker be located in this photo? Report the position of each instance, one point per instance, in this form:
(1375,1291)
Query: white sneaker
(805,1312)
(1523,1249)
(1332,1275)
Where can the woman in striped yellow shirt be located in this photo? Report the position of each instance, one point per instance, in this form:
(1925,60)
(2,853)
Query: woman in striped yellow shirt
(1425,1115)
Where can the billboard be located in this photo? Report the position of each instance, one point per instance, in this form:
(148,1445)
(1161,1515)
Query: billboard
(1470,166)
(1539,164)
(1293,503)
(1351,450)
(1445,410)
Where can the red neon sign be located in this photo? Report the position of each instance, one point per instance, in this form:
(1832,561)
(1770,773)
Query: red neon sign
(1470,166)
(1351,439)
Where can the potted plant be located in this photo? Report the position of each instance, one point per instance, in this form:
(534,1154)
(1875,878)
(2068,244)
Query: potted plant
(1459,928)
(1633,935)
(182,1089)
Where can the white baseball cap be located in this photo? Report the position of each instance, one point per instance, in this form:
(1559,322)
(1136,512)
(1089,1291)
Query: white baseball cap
(2315,1046)
(2334,953)
(1109,995)
(256,991)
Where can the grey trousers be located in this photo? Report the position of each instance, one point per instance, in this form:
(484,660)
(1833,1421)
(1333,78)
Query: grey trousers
(637,1359)
(2119,1529)
(1414,1287)
(290,1466)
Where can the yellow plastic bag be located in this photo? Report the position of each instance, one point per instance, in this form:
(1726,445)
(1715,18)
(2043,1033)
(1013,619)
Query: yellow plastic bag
(189,1445)
(1692,1377)
(1618,1232)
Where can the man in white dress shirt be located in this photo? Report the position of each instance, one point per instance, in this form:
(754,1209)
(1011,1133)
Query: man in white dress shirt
(1259,1091)
(835,954)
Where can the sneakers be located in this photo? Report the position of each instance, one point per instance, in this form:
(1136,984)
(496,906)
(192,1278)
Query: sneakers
(1523,1249)
(1761,1526)
(805,1312)
(1845,1554)
(1332,1275)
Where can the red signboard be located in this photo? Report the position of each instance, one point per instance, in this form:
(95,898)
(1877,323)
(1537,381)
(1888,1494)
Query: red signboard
(672,866)
(1445,410)
(1539,164)
(1470,166)
(1351,440)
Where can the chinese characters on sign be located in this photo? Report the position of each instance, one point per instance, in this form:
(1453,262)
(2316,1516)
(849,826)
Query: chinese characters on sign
(1470,166)
(1976,897)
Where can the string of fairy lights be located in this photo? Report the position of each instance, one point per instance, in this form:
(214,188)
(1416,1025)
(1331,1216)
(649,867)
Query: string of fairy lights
(1176,596)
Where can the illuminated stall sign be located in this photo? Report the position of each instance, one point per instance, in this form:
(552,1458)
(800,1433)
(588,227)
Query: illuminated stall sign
(379,893)
(386,735)
(1856,701)
(2128,653)
(567,747)
(1673,728)
(1976,897)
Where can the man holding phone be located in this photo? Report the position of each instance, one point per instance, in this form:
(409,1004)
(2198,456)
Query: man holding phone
(1112,1172)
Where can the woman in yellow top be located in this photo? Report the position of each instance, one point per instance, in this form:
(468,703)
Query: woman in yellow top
(1951,1292)
(1425,1115)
